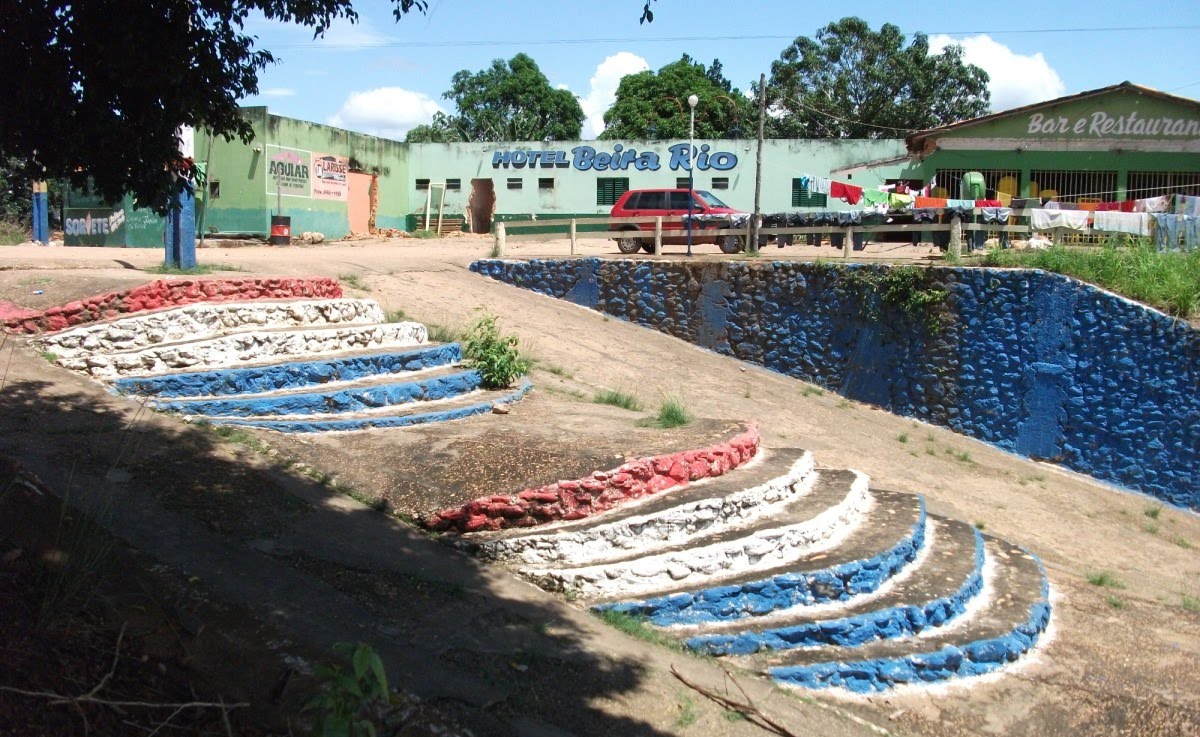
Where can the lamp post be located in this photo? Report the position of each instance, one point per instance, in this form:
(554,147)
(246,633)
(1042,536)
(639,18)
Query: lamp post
(692,100)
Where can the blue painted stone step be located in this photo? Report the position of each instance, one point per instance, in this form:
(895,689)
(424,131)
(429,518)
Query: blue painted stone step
(376,395)
(1016,615)
(291,374)
(887,541)
(396,416)
(944,582)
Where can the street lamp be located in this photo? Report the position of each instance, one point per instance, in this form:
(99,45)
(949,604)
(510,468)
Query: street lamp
(692,100)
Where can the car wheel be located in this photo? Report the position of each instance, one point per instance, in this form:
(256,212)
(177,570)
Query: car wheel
(629,244)
(730,243)
(648,247)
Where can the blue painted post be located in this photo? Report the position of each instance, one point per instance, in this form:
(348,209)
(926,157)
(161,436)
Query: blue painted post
(41,213)
(181,229)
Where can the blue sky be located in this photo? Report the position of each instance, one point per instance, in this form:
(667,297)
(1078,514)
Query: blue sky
(382,76)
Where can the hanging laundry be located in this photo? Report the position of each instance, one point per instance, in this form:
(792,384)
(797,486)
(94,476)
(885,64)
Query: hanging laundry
(967,204)
(818,185)
(1134,223)
(1190,225)
(1043,219)
(1166,231)
(899,201)
(875,197)
(924,215)
(996,215)
(1089,206)
(1108,206)
(846,192)
(927,202)
(1153,204)
(987,203)
(1187,205)
(804,181)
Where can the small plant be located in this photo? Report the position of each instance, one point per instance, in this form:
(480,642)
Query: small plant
(687,713)
(424,234)
(962,456)
(495,356)
(1153,511)
(495,251)
(979,525)
(636,626)
(671,413)
(1151,528)
(241,437)
(441,333)
(746,394)
(1181,541)
(558,370)
(930,437)
(812,391)
(1104,579)
(733,716)
(396,316)
(351,699)
(50,356)
(845,404)
(930,450)
(617,398)
(902,437)
(354,281)
(1191,603)
(1114,601)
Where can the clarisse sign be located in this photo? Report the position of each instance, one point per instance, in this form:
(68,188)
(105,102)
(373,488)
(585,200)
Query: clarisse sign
(585,158)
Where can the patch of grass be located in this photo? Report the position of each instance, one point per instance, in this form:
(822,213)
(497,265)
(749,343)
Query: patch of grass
(845,404)
(50,356)
(687,713)
(441,333)
(198,269)
(495,251)
(1191,603)
(12,234)
(812,391)
(930,450)
(671,413)
(979,525)
(902,437)
(1153,511)
(558,370)
(239,436)
(1182,542)
(354,281)
(618,398)
(1151,528)
(1169,281)
(424,234)
(638,627)
(733,716)
(1104,579)
(1114,601)
(396,316)
(930,437)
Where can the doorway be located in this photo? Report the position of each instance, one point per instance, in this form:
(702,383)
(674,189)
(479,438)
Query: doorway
(482,205)
(359,206)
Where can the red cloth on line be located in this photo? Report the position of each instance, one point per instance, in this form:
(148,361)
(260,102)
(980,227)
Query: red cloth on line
(1127,205)
(847,192)
(926,203)
(989,203)
(1108,206)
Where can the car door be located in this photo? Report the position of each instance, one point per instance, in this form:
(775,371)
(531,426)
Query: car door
(653,204)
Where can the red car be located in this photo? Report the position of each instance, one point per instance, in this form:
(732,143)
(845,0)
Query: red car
(671,204)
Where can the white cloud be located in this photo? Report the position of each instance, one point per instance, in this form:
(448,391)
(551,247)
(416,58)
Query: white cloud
(277,92)
(389,112)
(1016,79)
(603,89)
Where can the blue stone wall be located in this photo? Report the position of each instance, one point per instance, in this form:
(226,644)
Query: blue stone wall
(1035,363)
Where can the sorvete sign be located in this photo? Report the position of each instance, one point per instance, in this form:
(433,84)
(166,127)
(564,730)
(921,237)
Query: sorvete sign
(587,158)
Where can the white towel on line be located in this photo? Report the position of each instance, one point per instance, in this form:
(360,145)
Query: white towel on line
(1111,221)
(1070,219)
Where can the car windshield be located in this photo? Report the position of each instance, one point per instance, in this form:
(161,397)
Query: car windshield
(709,199)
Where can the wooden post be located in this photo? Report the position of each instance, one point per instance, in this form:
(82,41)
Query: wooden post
(572,236)
(848,242)
(499,240)
(658,236)
(755,221)
(441,209)
(955,249)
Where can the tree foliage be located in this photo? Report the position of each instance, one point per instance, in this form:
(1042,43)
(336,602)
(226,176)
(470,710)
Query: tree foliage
(98,90)
(853,82)
(654,104)
(509,101)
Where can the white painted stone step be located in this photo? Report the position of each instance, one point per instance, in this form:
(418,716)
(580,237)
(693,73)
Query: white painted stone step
(772,480)
(209,320)
(813,523)
(249,348)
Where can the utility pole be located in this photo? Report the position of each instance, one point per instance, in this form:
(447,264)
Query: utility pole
(756,218)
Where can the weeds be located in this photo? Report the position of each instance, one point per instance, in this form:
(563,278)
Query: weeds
(812,391)
(845,404)
(241,437)
(687,713)
(351,700)
(671,413)
(198,269)
(1104,579)
(424,234)
(618,398)
(354,281)
(979,525)
(441,333)
(50,356)
(493,355)
(1151,528)
(495,252)
(733,716)
(558,371)
(1114,601)
(635,626)
(930,450)
(1153,511)
(1191,603)
(1182,542)
(396,316)
(902,437)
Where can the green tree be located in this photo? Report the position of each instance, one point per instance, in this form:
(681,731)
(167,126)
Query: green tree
(98,90)
(509,101)
(654,104)
(853,82)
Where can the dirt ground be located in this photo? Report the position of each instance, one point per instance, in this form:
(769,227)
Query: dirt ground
(1122,660)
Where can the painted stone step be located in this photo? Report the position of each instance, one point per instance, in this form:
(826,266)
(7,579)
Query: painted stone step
(1016,613)
(938,587)
(761,487)
(887,541)
(257,348)
(209,320)
(811,523)
(406,415)
(292,374)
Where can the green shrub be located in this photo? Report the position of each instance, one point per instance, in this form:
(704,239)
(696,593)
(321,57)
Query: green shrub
(672,413)
(495,356)
(350,699)
(617,398)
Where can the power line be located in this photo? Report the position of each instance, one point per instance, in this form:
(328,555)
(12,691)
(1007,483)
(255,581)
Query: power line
(675,39)
(853,122)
